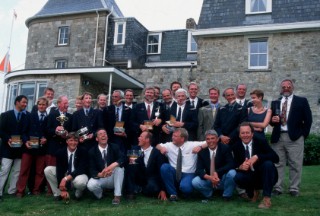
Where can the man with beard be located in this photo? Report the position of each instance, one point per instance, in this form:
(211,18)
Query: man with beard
(291,121)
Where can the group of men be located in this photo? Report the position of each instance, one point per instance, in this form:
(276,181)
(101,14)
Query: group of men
(177,144)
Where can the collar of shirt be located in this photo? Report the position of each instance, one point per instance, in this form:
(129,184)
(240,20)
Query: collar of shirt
(249,146)
(130,106)
(69,153)
(147,153)
(195,101)
(101,149)
(15,112)
(216,105)
(39,114)
(284,98)
(240,101)
(85,110)
(151,106)
(211,151)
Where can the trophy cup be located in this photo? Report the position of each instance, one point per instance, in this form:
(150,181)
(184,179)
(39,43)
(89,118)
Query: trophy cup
(83,133)
(133,155)
(62,119)
(16,141)
(157,114)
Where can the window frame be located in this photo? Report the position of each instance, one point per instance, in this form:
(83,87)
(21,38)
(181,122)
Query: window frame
(190,42)
(66,37)
(268,7)
(116,33)
(60,61)
(154,44)
(262,39)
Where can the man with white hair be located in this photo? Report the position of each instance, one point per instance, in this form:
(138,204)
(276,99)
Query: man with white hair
(184,114)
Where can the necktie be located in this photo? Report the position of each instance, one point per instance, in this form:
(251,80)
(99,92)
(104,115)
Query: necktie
(284,112)
(117,114)
(179,166)
(87,112)
(104,156)
(19,116)
(214,112)
(247,153)
(148,111)
(212,164)
(70,164)
(41,117)
(240,102)
(179,114)
(192,104)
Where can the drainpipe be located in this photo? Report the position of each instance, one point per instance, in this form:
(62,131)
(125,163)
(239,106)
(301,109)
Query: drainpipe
(106,38)
(95,43)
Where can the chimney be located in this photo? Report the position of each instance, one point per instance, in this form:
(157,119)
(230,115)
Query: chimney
(191,24)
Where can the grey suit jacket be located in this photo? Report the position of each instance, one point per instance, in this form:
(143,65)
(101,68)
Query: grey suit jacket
(205,121)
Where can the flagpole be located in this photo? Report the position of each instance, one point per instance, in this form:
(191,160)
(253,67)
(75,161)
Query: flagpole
(14,16)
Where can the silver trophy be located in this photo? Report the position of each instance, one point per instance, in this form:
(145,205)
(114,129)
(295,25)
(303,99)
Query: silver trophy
(62,119)
(83,133)
(157,114)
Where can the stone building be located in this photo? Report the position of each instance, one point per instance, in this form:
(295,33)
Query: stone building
(88,45)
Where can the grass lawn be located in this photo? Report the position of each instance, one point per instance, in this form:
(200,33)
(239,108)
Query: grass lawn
(307,204)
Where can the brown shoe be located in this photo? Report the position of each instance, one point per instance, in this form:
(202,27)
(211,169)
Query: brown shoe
(116,200)
(265,203)
(255,197)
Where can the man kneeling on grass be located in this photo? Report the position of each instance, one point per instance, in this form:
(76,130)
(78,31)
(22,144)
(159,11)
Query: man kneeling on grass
(106,167)
(70,170)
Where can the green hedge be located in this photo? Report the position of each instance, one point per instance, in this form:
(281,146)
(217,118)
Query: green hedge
(311,149)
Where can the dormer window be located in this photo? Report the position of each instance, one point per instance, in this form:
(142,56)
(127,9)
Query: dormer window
(258,6)
(154,43)
(192,44)
(119,33)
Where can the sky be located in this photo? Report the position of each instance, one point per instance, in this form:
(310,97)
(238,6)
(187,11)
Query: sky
(153,14)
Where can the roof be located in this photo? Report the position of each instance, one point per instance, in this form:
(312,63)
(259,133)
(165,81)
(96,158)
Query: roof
(67,7)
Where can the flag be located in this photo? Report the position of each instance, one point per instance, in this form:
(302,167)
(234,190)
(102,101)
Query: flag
(5,64)
(15,14)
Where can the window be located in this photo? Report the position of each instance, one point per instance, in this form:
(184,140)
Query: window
(30,89)
(192,44)
(63,38)
(154,43)
(61,63)
(258,53)
(119,33)
(258,6)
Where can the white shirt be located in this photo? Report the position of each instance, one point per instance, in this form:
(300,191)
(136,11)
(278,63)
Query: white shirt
(120,111)
(211,152)
(283,99)
(49,108)
(195,101)
(182,108)
(101,150)
(69,153)
(189,160)
(241,101)
(39,115)
(147,153)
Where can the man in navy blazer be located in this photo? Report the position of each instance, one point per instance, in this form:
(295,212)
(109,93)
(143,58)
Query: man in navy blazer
(117,112)
(291,121)
(71,169)
(145,172)
(217,174)
(106,167)
(87,117)
(12,122)
(188,118)
(254,162)
(139,116)
(34,154)
(194,101)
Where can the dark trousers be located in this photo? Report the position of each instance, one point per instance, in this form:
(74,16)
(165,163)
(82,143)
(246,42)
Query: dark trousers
(263,177)
(134,177)
(26,163)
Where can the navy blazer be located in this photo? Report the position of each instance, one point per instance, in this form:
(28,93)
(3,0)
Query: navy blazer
(56,142)
(299,120)
(10,126)
(260,147)
(37,129)
(228,118)
(189,118)
(96,163)
(109,117)
(223,161)
(80,163)
(139,115)
(201,103)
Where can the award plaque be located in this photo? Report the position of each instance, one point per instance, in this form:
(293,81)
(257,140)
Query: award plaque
(133,155)
(16,141)
(34,142)
(148,123)
(170,123)
(119,127)
(83,133)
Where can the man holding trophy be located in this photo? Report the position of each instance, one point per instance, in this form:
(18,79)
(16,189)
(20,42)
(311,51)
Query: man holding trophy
(147,116)
(86,121)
